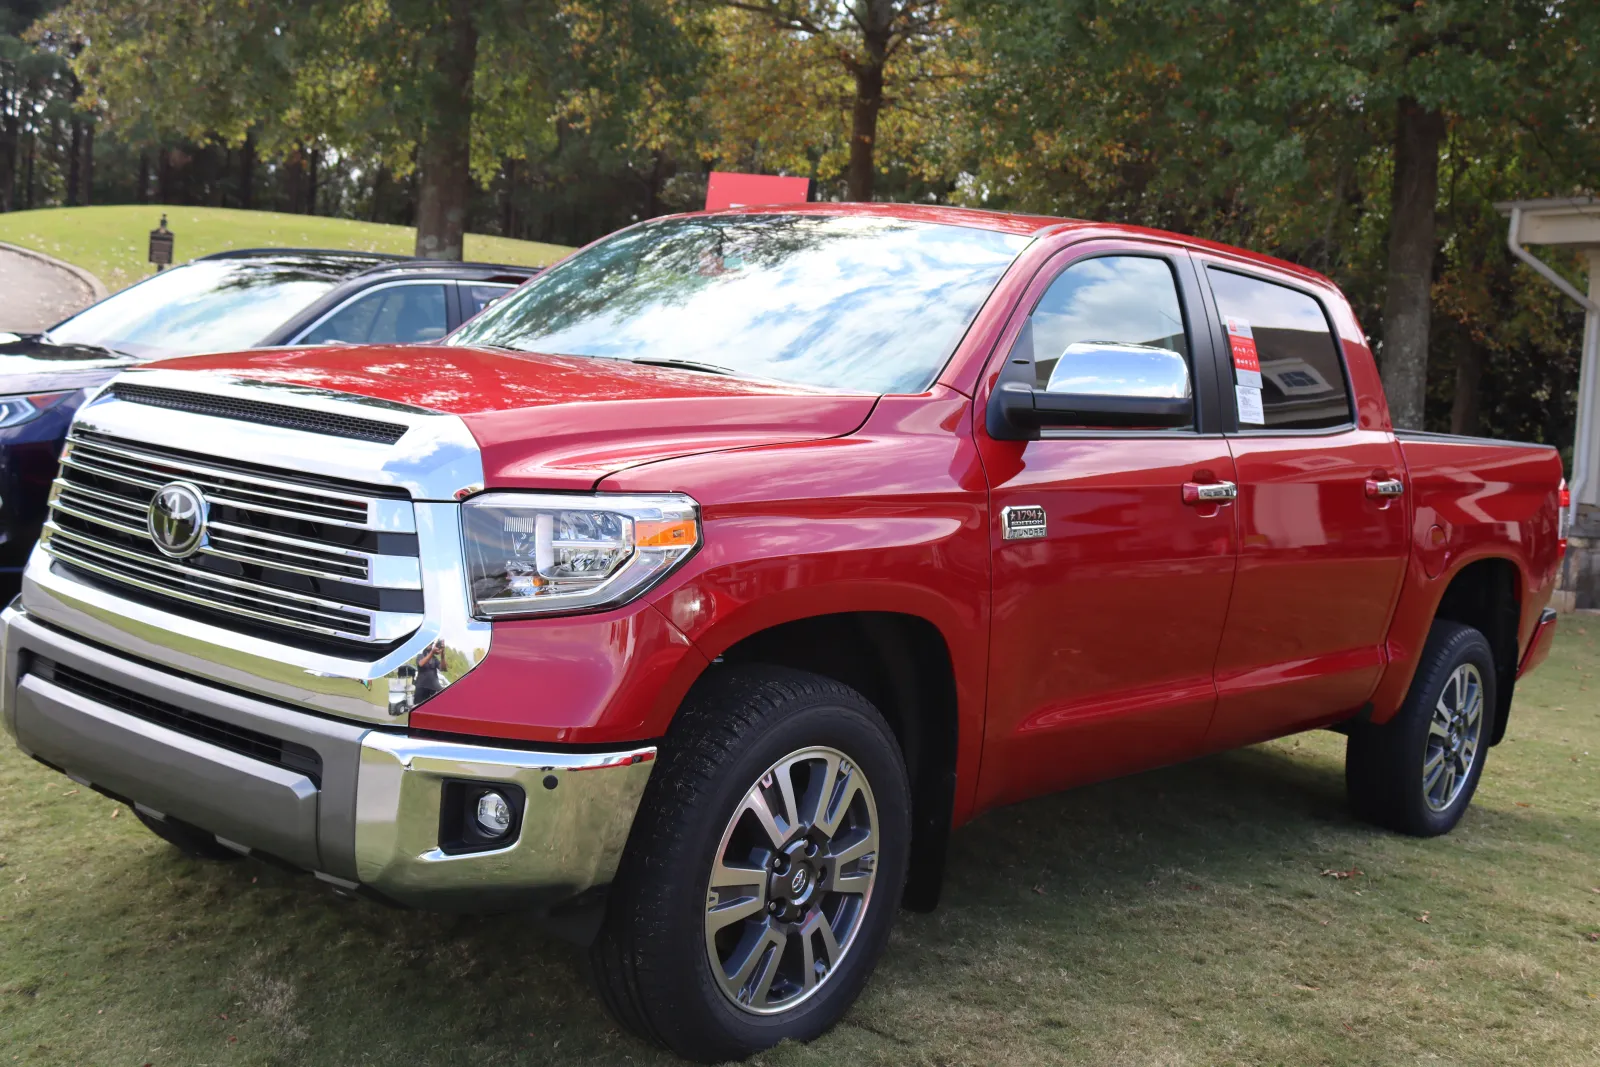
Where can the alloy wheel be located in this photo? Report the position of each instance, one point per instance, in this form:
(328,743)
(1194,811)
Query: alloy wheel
(791,880)
(1453,736)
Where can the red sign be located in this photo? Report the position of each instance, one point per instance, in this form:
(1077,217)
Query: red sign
(1242,342)
(754,190)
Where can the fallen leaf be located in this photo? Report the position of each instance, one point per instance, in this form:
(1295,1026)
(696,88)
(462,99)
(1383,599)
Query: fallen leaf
(1594,935)
(1353,872)
(1520,804)
(1039,889)
(115,812)
(1423,918)
(69,792)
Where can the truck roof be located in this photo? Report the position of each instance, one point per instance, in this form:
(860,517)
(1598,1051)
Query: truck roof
(1021,223)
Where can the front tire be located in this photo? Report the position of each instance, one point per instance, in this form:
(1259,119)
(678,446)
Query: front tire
(763,870)
(1417,773)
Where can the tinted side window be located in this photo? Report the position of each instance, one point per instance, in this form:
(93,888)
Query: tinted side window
(1109,300)
(397,315)
(474,298)
(1302,385)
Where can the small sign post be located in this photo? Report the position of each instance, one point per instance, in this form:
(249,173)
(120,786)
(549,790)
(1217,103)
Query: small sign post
(161,240)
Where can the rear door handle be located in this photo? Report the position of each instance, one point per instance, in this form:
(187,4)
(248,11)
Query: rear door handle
(1210,492)
(1385,488)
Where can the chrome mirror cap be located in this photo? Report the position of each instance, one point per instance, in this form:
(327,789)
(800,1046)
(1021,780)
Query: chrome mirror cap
(1096,368)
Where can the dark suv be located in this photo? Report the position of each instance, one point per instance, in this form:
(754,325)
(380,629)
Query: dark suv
(252,298)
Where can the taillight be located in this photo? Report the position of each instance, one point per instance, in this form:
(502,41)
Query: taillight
(1564,502)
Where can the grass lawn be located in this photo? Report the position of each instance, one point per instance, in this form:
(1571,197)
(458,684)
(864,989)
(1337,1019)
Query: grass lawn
(1182,917)
(111,242)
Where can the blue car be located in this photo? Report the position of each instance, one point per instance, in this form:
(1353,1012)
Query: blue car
(252,298)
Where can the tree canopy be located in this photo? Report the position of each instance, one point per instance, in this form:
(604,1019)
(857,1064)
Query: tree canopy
(1365,138)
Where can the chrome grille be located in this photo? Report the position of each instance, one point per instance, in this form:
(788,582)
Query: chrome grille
(285,551)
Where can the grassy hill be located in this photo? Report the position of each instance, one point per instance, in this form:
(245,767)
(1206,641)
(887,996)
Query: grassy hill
(110,242)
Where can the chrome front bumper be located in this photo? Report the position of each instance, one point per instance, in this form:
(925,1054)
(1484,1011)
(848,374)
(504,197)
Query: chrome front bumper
(358,806)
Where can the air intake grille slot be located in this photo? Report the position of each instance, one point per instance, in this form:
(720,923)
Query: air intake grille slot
(253,743)
(322,558)
(290,418)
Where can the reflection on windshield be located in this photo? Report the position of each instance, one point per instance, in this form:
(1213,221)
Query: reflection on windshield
(863,304)
(204,306)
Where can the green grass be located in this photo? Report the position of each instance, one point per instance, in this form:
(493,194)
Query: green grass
(1181,917)
(111,242)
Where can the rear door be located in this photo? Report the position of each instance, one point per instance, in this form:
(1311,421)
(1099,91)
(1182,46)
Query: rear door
(1322,528)
(1110,590)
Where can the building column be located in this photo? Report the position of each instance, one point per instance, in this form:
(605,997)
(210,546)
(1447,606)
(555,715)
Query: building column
(1580,574)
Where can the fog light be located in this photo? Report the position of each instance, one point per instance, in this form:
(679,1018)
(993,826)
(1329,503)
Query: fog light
(494,814)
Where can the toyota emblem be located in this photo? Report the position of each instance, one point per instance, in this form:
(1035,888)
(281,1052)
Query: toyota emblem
(178,519)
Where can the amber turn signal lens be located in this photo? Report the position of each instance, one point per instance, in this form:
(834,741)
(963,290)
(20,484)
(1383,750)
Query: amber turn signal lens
(655,534)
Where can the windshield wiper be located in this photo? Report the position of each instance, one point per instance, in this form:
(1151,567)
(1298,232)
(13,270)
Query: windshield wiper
(683,364)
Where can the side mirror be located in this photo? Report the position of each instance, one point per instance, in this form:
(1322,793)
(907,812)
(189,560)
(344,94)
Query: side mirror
(1093,384)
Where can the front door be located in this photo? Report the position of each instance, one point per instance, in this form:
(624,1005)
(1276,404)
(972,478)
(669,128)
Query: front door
(1110,590)
(1323,542)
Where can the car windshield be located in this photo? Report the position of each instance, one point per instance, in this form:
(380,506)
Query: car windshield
(209,305)
(839,302)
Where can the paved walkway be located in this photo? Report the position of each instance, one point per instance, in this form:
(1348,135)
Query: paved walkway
(35,293)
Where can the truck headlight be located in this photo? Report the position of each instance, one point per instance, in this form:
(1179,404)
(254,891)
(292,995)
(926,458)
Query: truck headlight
(542,553)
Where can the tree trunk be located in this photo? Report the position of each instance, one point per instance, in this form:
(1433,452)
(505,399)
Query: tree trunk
(508,197)
(1469,375)
(86,170)
(141,194)
(164,176)
(27,180)
(247,172)
(74,158)
(868,71)
(1408,301)
(10,142)
(444,176)
(311,180)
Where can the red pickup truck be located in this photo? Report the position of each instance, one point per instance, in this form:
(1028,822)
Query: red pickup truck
(692,595)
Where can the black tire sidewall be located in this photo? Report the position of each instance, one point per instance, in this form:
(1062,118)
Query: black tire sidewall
(697,1005)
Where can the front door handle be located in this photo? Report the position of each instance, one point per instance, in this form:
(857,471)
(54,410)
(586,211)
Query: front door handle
(1210,492)
(1385,488)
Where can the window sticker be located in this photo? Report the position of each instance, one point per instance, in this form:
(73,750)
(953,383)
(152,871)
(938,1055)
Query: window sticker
(1249,401)
(1246,362)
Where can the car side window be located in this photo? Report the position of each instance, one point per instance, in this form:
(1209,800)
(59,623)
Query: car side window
(1288,373)
(474,298)
(396,314)
(1110,325)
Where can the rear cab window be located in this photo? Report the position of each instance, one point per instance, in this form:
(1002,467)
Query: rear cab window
(1287,370)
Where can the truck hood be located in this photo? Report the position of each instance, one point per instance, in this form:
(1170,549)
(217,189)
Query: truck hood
(557,422)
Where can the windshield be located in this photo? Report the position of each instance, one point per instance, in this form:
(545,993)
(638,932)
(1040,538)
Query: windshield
(212,305)
(855,303)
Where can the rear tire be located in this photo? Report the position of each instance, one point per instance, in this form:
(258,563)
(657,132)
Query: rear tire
(763,870)
(1417,773)
(189,840)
